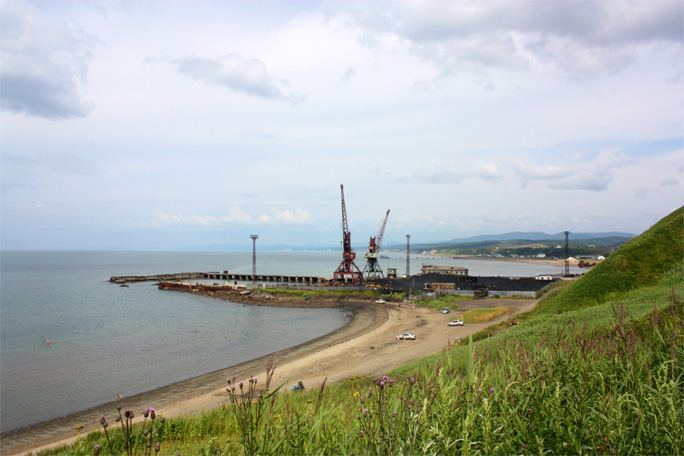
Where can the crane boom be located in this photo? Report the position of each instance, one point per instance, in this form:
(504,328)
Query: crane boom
(378,240)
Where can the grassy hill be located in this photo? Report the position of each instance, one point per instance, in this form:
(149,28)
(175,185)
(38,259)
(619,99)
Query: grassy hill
(638,263)
(597,368)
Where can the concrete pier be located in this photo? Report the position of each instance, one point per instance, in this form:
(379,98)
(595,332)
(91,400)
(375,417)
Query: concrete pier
(225,276)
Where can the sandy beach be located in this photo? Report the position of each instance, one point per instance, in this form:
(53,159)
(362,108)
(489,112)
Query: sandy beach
(367,345)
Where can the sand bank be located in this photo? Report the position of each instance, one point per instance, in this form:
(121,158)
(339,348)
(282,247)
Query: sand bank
(365,346)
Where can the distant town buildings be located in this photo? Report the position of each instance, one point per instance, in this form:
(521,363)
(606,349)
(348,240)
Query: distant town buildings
(451,270)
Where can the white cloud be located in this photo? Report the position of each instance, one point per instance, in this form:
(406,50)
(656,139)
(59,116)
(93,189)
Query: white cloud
(232,71)
(44,64)
(237,216)
(578,39)
(298,217)
(460,172)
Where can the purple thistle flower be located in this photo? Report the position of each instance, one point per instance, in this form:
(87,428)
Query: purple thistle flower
(153,413)
(147,412)
(382,384)
(385,378)
(529,411)
(365,412)
(96,451)
(228,380)
(102,420)
(391,382)
(157,446)
(240,385)
(363,401)
(362,433)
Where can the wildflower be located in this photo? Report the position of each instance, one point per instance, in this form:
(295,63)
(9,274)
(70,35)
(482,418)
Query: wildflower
(153,415)
(382,384)
(479,390)
(96,451)
(363,401)
(385,378)
(412,380)
(240,385)
(491,390)
(228,380)
(102,420)
(146,413)
(362,433)
(157,446)
(365,412)
(529,411)
(391,382)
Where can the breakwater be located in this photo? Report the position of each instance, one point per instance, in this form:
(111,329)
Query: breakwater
(225,275)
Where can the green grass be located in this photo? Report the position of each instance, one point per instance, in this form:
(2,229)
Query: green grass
(598,368)
(639,262)
(484,314)
(439,302)
(330,294)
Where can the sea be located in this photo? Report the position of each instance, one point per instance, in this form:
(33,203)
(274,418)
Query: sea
(107,340)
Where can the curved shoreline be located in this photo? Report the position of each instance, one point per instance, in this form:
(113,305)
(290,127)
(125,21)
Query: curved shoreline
(365,346)
(62,430)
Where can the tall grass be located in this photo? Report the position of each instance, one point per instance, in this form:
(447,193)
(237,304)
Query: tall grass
(484,314)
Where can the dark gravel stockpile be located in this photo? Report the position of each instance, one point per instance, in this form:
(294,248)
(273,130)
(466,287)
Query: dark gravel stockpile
(418,282)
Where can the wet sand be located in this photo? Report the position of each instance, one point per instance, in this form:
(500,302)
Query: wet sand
(366,345)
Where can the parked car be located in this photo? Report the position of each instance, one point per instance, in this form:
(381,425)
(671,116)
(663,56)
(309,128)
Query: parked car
(379,301)
(456,323)
(445,310)
(406,336)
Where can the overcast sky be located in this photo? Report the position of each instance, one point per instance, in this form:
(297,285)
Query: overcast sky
(168,125)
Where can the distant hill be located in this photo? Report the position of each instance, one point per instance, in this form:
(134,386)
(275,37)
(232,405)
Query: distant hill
(537,236)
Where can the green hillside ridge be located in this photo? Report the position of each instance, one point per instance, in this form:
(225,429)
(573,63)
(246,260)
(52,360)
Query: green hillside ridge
(596,368)
(639,262)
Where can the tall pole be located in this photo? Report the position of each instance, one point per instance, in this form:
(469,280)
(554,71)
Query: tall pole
(254,238)
(567,254)
(408,255)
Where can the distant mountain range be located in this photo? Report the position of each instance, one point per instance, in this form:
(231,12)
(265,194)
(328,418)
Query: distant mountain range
(537,236)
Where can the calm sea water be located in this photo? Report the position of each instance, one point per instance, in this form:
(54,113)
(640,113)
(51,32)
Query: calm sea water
(109,340)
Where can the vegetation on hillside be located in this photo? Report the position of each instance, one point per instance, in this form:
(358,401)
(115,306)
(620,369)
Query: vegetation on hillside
(525,247)
(640,262)
(598,368)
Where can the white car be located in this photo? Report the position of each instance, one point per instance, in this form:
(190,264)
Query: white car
(456,323)
(379,301)
(445,310)
(406,336)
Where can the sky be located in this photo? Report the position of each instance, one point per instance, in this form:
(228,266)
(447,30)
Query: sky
(171,125)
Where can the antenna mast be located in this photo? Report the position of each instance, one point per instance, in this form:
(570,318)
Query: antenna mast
(408,255)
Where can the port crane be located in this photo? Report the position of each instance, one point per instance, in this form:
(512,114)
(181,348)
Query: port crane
(372,269)
(347,271)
